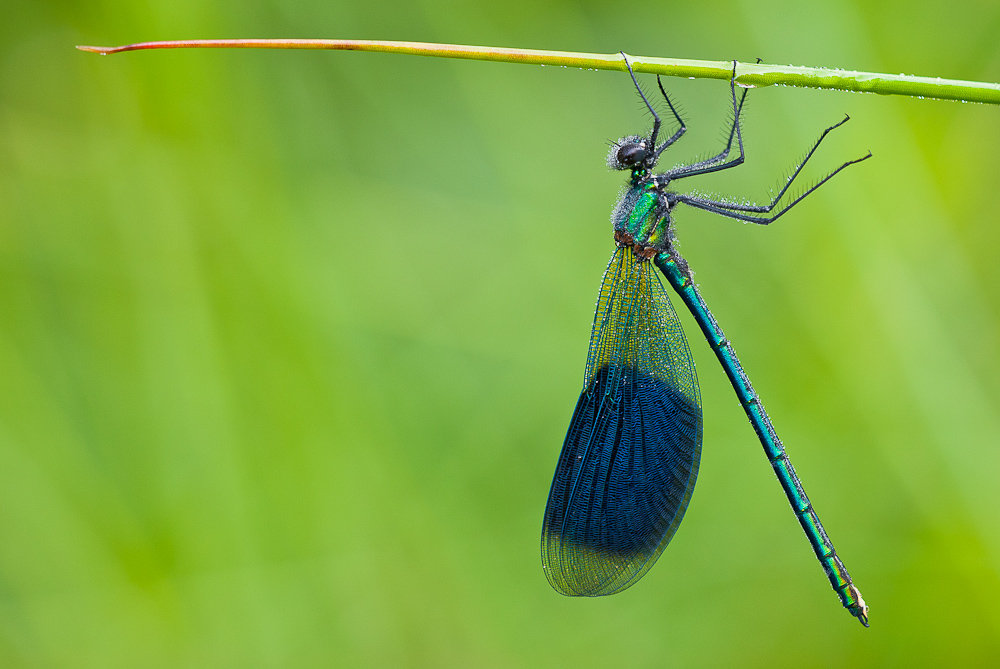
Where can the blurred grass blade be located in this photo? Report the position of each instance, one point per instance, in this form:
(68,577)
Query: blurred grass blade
(747,74)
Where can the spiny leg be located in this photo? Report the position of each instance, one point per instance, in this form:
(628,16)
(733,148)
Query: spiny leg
(763,209)
(680,132)
(727,210)
(656,119)
(715,163)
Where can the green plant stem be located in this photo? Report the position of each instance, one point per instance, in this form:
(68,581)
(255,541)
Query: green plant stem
(747,74)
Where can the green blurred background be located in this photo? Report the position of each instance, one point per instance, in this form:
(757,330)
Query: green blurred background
(289,340)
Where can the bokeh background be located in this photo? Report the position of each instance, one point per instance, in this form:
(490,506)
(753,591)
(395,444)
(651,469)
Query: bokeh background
(289,340)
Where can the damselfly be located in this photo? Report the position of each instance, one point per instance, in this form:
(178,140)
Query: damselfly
(630,458)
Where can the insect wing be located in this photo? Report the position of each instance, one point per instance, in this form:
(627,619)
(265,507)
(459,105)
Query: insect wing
(630,458)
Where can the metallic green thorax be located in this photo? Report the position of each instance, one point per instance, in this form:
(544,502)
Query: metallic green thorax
(642,217)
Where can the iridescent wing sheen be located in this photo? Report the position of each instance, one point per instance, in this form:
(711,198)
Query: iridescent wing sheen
(630,459)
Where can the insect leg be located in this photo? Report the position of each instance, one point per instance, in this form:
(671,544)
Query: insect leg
(734,211)
(784,189)
(716,163)
(680,132)
(656,119)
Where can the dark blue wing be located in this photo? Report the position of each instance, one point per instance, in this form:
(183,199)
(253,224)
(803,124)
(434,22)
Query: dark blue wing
(630,459)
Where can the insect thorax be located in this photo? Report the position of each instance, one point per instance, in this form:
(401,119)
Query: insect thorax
(641,219)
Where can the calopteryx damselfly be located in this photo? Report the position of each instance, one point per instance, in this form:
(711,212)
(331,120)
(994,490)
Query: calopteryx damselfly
(630,459)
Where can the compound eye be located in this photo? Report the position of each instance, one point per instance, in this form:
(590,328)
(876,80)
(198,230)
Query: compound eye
(632,153)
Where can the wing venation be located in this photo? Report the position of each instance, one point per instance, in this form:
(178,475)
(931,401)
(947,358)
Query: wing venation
(630,458)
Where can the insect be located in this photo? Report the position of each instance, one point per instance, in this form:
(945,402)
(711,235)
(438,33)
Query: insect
(630,458)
